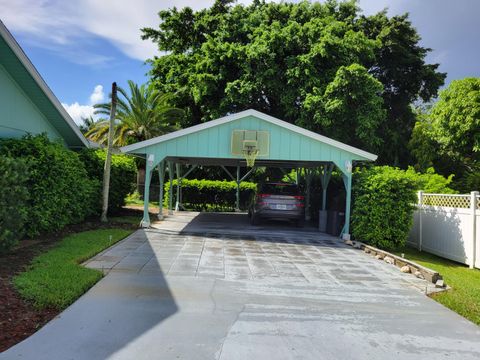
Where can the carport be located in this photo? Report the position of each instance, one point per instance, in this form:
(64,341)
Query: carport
(227,141)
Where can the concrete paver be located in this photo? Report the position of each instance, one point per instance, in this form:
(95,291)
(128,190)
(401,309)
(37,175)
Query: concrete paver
(260,293)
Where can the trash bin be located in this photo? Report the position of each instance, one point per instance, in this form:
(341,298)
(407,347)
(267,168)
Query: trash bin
(335,221)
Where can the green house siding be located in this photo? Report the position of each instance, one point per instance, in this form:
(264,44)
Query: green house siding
(27,105)
(18,115)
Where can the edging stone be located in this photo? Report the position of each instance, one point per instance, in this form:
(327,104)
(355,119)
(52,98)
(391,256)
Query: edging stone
(415,269)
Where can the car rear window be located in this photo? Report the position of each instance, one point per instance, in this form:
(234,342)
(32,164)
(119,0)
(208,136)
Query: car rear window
(279,189)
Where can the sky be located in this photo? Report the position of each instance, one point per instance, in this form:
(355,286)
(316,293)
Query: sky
(80,47)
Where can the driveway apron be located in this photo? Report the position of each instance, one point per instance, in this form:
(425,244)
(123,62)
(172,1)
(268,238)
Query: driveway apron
(210,293)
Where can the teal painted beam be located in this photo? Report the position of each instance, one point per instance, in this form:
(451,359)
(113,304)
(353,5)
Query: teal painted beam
(237,202)
(146,194)
(347,179)
(179,186)
(170,192)
(161,176)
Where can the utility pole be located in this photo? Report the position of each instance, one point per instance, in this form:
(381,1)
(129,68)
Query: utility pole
(108,160)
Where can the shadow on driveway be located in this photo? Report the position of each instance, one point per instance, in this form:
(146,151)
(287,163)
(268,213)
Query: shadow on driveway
(108,319)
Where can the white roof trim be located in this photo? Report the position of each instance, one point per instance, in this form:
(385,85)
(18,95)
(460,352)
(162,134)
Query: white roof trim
(242,114)
(12,43)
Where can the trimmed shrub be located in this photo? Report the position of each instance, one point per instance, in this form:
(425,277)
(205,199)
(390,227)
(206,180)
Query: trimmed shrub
(60,192)
(13,201)
(384,199)
(212,195)
(122,176)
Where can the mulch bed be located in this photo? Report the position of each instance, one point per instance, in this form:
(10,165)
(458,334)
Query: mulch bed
(19,318)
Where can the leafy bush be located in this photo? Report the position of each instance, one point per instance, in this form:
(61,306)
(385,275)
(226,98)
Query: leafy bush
(430,182)
(384,199)
(13,201)
(212,195)
(60,192)
(122,176)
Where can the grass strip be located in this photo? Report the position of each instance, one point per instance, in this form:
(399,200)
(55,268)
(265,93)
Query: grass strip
(55,279)
(464,297)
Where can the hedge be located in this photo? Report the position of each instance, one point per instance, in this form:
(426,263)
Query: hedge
(13,201)
(383,205)
(211,195)
(60,192)
(122,176)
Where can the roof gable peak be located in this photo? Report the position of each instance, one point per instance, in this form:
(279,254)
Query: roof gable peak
(259,115)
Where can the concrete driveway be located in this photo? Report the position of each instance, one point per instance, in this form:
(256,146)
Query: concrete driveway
(196,289)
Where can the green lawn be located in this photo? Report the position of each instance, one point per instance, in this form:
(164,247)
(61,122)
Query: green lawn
(464,297)
(55,279)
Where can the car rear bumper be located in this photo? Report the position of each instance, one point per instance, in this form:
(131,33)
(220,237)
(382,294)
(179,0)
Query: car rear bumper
(279,214)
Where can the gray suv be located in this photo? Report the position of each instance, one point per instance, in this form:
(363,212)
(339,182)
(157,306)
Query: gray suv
(278,201)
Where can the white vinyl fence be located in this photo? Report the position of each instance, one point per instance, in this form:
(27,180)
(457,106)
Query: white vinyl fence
(448,226)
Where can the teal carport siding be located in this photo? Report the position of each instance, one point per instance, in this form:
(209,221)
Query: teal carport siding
(210,143)
(27,105)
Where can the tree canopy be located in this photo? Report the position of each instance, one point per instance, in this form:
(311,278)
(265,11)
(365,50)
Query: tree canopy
(447,136)
(299,62)
(456,118)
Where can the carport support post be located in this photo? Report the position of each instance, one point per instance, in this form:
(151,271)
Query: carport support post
(347,179)
(308,178)
(179,187)
(146,193)
(170,190)
(325,179)
(237,203)
(161,176)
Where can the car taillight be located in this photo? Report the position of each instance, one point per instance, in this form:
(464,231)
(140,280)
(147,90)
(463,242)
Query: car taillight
(299,197)
(301,205)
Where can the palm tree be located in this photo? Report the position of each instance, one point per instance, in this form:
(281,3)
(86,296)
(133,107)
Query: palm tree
(87,124)
(143,114)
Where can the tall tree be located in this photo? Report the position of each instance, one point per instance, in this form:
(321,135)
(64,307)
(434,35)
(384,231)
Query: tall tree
(456,119)
(108,158)
(274,56)
(143,113)
(448,136)
(399,63)
(351,108)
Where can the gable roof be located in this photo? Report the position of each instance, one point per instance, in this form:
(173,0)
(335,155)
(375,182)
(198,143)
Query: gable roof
(27,77)
(242,114)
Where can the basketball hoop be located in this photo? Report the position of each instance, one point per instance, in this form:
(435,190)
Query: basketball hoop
(250,153)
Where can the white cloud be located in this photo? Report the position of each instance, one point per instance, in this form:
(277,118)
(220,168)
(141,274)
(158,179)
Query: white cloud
(66,26)
(69,28)
(98,95)
(79,112)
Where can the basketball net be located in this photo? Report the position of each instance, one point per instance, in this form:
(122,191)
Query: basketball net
(250,154)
